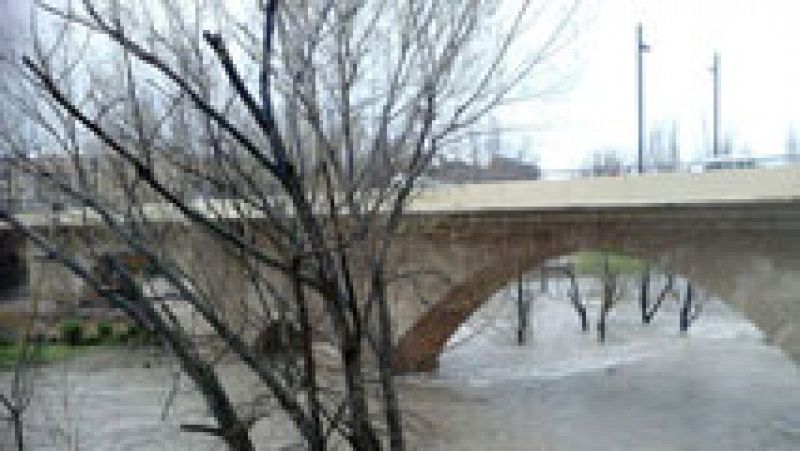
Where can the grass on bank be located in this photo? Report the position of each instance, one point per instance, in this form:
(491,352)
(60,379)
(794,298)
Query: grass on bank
(75,336)
(591,263)
(42,354)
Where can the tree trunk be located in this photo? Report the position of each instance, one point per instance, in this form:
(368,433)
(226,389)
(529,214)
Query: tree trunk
(239,440)
(645,287)
(363,436)
(391,404)
(18,431)
(522,313)
(686,309)
(317,440)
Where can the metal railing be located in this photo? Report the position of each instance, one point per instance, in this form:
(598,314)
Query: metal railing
(693,166)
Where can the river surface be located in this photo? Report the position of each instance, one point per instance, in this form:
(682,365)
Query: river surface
(719,387)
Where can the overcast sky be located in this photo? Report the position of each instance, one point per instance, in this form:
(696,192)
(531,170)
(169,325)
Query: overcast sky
(759,44)
(12,18)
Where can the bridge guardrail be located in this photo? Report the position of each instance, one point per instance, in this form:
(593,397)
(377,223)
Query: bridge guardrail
(692,166)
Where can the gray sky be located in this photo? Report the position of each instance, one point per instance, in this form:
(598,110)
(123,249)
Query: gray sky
(759,43)
(12,20)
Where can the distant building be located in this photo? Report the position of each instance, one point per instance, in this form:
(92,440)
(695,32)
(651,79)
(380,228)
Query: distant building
(604,163)
(452,171)
(499,168)
(181,172)
(504,168)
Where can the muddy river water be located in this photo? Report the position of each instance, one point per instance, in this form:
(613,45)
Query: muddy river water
(720,387)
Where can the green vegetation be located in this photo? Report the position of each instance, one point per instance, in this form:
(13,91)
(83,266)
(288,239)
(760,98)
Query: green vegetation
(44,353)
(136,334)
(591,263)
(105,331)
(74,335)
(76,332)
(72,332)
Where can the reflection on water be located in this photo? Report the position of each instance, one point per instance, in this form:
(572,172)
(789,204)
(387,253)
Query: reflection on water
(647,387)
(108,401)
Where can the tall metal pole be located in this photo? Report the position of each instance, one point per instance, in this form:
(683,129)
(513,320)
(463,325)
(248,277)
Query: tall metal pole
(715,72)
(641,48)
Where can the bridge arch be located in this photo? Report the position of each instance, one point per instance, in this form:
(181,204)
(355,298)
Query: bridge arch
(13,266)
(758,275)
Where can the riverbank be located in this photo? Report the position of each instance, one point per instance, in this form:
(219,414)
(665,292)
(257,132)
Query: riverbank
(41,355)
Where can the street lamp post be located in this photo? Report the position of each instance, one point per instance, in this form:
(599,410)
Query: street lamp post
(715,72)
(641,48)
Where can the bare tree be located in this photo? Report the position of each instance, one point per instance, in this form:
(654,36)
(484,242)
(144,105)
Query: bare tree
(20,393)
(604,162)
(663,153)
(260,170)
(611,293)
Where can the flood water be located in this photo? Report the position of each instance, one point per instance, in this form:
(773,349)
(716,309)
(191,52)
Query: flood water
(717,388)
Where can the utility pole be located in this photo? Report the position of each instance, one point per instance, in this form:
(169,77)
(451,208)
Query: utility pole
(715,73)
(641,48)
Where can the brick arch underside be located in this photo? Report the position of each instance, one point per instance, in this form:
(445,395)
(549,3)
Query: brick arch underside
(13,268)
(713,260)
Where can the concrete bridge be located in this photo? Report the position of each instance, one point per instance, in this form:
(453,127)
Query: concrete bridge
(734,233)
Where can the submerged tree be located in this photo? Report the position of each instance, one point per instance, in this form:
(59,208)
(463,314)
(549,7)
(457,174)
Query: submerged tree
(257,160)
(611,293)
(16,400)
(16,396)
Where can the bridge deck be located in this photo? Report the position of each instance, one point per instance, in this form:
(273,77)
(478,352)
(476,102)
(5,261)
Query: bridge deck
(743,186)
(717,188)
